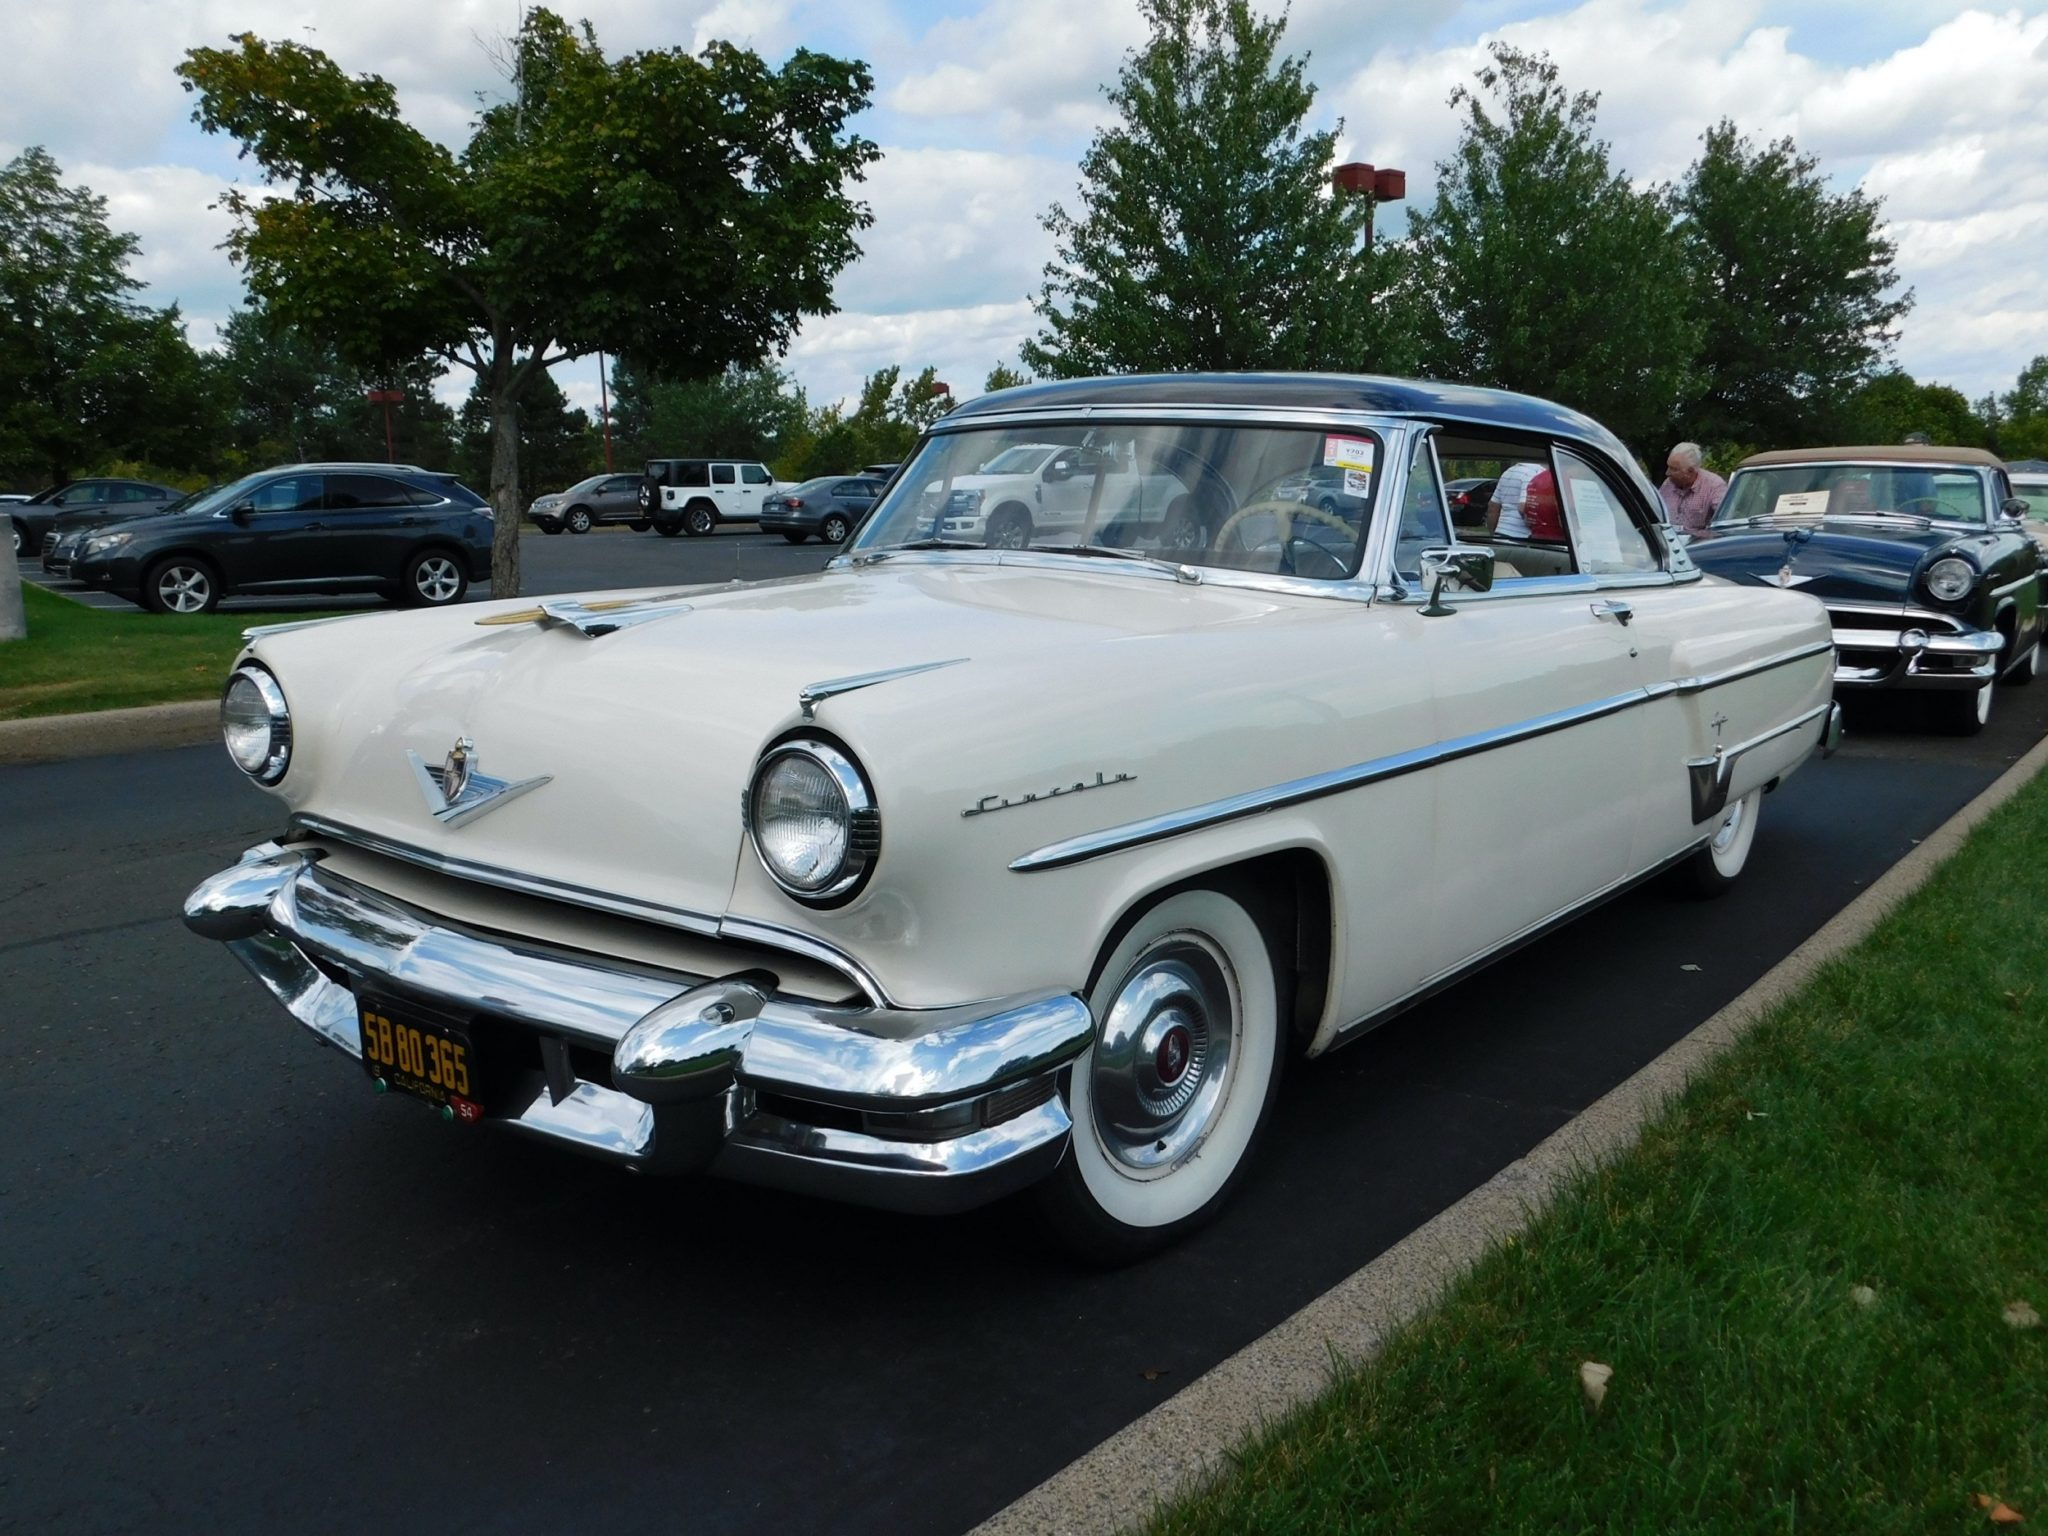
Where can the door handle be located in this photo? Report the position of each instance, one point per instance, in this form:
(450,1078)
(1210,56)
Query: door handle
(1620,612)
(309,527)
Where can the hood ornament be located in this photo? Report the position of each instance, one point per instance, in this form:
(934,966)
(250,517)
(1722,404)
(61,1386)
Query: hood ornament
(458,791)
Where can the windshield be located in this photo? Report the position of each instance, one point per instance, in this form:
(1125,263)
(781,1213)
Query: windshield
(1289,501)
(1854,490)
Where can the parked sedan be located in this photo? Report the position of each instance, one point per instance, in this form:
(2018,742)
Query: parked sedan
(31,519)
(1920,554)
(600,499)
(1469,498)
(68,533)
(392,529)
(967,869)
(830,507)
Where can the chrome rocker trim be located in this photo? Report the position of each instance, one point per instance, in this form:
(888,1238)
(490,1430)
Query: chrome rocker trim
(935,1110)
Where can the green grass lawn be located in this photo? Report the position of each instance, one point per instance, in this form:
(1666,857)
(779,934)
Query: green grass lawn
(1800,1280)
(78,658)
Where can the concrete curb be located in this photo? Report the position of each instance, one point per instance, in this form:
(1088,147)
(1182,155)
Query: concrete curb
(1186,1441)
(50,738)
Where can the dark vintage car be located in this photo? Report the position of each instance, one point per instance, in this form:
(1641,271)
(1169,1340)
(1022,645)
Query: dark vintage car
(409,534)
(1919,554)
(829,507)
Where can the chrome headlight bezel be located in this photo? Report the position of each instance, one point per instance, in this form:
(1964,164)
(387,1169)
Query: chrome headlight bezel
(859,818)
(276,756)
(1950,579)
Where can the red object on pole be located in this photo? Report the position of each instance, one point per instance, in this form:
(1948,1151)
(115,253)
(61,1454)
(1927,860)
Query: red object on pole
(387,398)
(604,396)
(1379,186)
(1355,177)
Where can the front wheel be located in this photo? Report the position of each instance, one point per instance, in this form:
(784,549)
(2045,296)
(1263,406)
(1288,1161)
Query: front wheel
(1964,714)
(1169,1101)
(181,584)
(434,579)
(1713,870)
(578,520)
(2029,666)
(20,538)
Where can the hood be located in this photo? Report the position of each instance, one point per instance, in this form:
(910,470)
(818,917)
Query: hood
(1864,561)
(648,735)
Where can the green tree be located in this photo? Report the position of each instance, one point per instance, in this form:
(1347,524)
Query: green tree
(2020,427)
(86,373)
(879,429)
(742,413)
(1206,236)
(1796,292)
(921,401)
(1895,404)
(1539,268)
(1003,376)
(692,209)
(557,442)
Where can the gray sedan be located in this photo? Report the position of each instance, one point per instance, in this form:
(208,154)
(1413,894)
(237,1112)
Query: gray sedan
(600,499)
(830,506)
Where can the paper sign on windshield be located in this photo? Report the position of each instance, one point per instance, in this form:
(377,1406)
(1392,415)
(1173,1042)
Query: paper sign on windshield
(1348,453)
(1801,504)
(1357,482)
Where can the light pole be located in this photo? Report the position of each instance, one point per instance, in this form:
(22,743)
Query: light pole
(604,396)
(1382,184)
(387,398)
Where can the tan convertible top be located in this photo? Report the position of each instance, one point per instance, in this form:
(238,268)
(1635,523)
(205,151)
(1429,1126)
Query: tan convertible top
(1881,453)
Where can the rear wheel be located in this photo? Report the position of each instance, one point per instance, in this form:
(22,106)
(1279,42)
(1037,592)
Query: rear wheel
(1169,1101)
(20,536)
(668,530)
(578,520)
(699,518)
(434,579)
(835,529)
(1009,528)
(181,584)
(1716,866)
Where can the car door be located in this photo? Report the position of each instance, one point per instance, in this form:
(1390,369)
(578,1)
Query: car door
(279,532)
(725,492)
(373,522)
(1537,697)
(755,483)
(617,499)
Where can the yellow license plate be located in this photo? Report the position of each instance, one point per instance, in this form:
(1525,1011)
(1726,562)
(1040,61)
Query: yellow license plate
(412,1055)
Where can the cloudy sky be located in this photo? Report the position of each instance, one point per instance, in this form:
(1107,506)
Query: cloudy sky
(982,108)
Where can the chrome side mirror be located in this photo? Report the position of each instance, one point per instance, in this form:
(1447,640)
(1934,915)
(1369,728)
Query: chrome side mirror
(1464,570)
(2014,509)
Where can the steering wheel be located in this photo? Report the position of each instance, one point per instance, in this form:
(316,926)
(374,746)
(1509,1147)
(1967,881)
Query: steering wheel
(1933,504)
(1282,509)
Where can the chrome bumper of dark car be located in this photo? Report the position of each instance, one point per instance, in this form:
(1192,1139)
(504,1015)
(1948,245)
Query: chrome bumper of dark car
(1915,651)
(925,1111)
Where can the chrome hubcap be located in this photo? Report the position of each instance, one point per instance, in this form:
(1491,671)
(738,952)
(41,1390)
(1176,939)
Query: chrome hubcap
(1160,1072)
(183,589)
(437,579)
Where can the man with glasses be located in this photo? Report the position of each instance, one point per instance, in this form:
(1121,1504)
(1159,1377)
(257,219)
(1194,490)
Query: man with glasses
(1691,494)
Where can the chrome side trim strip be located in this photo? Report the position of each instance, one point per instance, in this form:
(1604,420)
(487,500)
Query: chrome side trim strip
(1153,829)
(814,694)
(700,923)
(1710,776)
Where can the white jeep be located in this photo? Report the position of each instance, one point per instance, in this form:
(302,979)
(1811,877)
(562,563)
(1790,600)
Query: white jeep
(694,496)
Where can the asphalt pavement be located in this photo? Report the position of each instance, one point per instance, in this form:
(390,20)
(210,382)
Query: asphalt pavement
(239,1292)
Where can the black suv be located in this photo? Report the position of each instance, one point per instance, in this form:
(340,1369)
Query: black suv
(32,518)
(415,537)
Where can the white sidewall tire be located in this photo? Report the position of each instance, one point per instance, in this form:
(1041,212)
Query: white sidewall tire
(1188,1189)
(1728,861)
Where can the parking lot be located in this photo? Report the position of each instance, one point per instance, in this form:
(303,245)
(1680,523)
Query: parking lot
(265,1299)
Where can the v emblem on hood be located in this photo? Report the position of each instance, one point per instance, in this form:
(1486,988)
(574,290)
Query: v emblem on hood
(457,793)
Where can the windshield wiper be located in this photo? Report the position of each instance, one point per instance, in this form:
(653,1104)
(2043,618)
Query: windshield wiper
(1180,569)
(868,556)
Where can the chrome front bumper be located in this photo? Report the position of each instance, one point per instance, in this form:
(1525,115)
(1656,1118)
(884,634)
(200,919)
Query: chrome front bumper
(1916,658)
(934,1110)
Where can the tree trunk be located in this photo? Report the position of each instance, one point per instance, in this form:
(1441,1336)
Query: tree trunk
(13,618)
(506,502)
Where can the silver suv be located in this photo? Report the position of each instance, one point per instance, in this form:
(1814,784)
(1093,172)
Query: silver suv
(694,496)
(600,499)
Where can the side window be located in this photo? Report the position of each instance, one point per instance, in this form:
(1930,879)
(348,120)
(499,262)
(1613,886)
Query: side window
(754,474)
(420,497)
(619,484)
(346,493)
(721,474)
(1607,539)
(692,472)
(294,493)
(1424,524)
(849,488)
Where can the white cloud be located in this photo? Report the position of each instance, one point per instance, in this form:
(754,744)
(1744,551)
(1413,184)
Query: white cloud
(834,354)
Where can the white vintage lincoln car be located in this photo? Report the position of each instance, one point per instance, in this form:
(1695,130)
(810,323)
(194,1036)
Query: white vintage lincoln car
(954,869)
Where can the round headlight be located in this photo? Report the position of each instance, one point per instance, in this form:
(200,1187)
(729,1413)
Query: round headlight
(813,821)
(1951,578)
(256,724)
